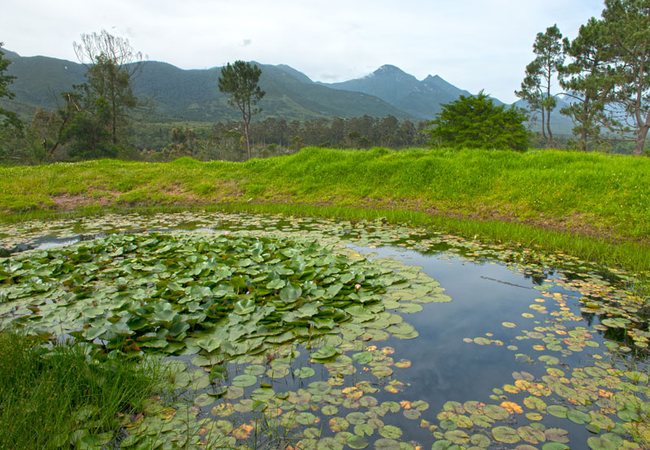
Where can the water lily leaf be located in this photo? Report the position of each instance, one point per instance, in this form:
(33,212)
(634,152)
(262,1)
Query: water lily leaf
(325,353)
(255,369)
(244,380)
(442,444)
(319,387)
(505,434)
(387,444)
(390,432)
(277,283)
(557,435)
(363,357)
(306,418)
(333,290)
(329,410)
(203,400)
(368,401)
(223,410)
(555,446)
(531,435)
(356,442)
(209,344)
(412,414)
(178,328)
(578,417)
(356,418)
(557,411)
(338,424)
(480,440)
(304,372)
(606,442)
(290,294)
(90,334)
(457,437)
(495,412)
(243,307)
(234,392)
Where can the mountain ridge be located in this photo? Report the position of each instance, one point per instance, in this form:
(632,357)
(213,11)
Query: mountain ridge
(193,94)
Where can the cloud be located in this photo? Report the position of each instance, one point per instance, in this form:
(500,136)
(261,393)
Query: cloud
(246,42)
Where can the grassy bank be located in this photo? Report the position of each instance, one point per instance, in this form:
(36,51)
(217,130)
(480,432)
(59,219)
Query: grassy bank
(592,205)
(49,399)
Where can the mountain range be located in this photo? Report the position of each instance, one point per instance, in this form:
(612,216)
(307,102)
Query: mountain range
(193,95)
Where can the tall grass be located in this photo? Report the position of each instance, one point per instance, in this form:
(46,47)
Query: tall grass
(593,205)
(52,398)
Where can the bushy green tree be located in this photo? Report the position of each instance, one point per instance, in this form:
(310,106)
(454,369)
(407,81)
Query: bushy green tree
(476,122)
(88,133)
(240,80)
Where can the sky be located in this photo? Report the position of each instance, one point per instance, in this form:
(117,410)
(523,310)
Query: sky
(473,44)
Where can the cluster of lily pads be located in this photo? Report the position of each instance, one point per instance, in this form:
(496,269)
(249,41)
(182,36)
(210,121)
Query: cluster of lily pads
(221,298)
(272,330)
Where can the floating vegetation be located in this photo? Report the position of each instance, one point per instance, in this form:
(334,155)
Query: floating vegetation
(286,332)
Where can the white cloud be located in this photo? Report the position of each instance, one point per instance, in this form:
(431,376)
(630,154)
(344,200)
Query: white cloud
(473,44)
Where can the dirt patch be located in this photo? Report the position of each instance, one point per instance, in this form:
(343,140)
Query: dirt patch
(68,202)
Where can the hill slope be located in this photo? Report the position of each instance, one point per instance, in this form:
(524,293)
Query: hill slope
(193,94)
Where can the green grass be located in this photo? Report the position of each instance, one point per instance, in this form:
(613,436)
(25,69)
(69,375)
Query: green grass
(595,206)
(49,399)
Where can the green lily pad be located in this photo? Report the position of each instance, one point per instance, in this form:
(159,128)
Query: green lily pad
(457,437)
(390,432)
(204,400)
(304,372)
(329,410)
(506,435)
(356,442)
(244,380)
(325,353)
(387,444)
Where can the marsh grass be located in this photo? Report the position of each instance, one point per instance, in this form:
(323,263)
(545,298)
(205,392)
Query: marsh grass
(51,398)
(629,255)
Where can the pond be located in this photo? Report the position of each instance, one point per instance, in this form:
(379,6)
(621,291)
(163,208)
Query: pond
(304,333)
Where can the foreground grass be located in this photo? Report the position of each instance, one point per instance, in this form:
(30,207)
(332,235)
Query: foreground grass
(591,205)
(51,399)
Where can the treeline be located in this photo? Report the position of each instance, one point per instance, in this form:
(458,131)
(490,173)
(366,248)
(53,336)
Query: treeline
(273,137)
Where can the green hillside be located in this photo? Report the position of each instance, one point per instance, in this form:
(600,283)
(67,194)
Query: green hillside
(193,95)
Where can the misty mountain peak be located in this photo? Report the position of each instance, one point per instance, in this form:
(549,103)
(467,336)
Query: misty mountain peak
(390,71)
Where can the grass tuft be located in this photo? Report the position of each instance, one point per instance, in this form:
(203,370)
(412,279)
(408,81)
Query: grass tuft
(53,398)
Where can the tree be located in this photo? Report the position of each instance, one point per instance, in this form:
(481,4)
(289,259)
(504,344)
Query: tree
(588,80)
(627,34)
(112,65)
(538,82)
(476,122)
(240,81)
(11,119)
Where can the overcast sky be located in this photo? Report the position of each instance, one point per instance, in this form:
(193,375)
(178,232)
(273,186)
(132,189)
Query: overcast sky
(473,44)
